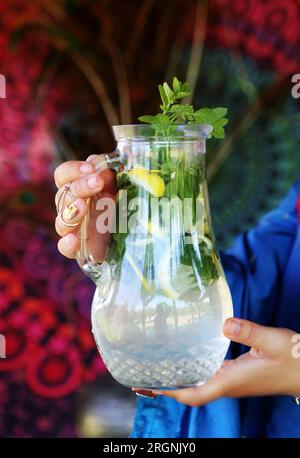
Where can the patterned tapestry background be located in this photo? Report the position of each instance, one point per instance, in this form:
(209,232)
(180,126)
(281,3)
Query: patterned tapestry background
(72,69)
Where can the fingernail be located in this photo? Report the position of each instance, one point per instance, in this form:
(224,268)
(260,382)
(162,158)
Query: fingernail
(86,168)
(91,157)
(144,393)
(94,182)
(232,327)
(69,239)
(71,211)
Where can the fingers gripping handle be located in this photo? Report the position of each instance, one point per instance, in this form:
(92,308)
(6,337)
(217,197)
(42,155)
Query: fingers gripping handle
(84,257)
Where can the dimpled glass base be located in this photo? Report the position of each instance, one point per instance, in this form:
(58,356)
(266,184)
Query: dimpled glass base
(184,370)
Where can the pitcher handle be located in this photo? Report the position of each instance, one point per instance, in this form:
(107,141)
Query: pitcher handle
(84,257)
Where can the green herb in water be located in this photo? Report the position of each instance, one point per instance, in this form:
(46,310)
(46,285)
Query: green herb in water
(169,173)
(174,113)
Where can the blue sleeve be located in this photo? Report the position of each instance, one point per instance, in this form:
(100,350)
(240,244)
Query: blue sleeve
(255,264)
(254,267)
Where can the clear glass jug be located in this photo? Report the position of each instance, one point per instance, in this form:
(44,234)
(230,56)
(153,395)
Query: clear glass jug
(161,295)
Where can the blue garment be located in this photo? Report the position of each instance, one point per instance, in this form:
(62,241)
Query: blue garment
(263,272)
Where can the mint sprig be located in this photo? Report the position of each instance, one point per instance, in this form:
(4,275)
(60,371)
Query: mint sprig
(175,113)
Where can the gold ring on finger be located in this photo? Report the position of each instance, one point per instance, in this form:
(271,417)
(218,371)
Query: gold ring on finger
(65,223)
(64,191)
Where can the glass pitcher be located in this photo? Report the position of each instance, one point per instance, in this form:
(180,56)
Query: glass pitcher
(161,295)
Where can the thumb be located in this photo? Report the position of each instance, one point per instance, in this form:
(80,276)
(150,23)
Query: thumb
(268,340)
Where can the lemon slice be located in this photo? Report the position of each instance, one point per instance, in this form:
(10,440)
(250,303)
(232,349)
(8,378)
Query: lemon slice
(147,180)
(207,241)
(120,195)
(138,273)
(197,237)
(174,285)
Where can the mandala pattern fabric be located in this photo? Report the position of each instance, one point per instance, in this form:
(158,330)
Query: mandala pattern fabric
(50,349)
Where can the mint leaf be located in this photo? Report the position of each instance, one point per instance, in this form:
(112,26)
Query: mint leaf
(161,119)
(161,124)
(182,109)
(220,122)
(220,112)
(180,113)
(176,85)
(169,93)
(205,116)
(218,132)
(184,90)
(163,96)
(148,119)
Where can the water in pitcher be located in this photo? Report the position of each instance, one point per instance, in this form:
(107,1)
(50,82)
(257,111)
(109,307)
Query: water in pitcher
(163,342)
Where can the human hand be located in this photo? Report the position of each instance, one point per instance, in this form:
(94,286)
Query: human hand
(271,367)
(84,183)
